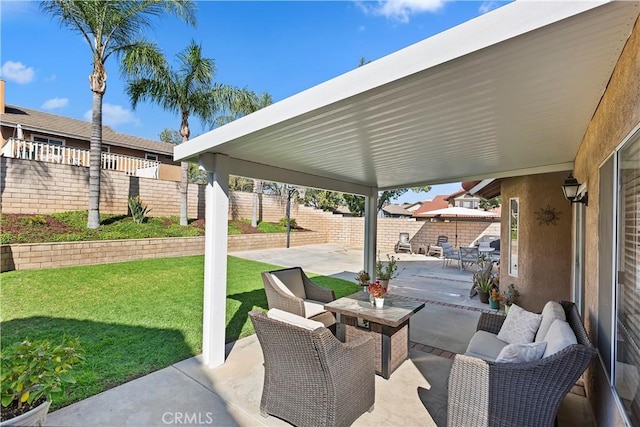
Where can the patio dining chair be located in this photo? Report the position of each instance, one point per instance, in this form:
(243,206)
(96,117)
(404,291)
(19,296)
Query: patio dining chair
(312,379)
(290,289)
(468,256)
(449,253)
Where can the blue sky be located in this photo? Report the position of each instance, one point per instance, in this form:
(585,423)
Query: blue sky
(277,47)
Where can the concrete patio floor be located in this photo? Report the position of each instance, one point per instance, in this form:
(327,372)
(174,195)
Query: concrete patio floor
(188,393)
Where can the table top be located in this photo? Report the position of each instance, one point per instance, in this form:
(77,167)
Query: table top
(485,249)
(396,310)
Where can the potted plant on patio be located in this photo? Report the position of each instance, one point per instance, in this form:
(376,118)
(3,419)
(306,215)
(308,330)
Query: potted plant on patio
(510,296)
(363,279)
(483,281)
(386,272)
(378,292)
(494,299)
(34,374)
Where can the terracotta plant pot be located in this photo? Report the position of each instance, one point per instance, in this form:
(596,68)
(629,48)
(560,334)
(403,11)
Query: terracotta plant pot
(484,296)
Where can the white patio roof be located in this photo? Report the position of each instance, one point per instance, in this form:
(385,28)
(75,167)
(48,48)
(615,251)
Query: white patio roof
(508,93)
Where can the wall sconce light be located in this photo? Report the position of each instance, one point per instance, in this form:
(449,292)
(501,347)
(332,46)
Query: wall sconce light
(570,189)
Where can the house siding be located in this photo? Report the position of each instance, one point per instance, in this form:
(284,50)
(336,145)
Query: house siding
(616,117)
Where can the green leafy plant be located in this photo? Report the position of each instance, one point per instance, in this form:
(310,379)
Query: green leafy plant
(389,270)
(511,295)
(484,280)
(138,209)
(363,278)
(35,220)
(32,370)
(292,222)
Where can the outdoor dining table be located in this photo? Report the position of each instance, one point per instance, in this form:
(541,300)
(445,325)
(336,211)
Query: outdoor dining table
(388,326)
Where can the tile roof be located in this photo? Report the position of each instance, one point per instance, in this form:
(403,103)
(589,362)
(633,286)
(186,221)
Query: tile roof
(438,202)
(39,121)
(393,209)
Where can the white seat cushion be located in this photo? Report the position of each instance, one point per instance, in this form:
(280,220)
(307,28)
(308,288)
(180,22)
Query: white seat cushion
(518,353)
(559,336)
(520,326)
(293,319)
(551,311)
(312,308)
(485,345)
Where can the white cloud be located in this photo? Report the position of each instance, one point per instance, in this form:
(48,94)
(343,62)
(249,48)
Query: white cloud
(487,6)
(17,72)
(401,10)
(53,103)
(114,115)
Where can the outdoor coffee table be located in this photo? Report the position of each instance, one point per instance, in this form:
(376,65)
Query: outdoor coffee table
(388,326)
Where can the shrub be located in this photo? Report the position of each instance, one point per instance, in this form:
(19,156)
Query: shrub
(138,209)
(34,220)
(32,370)
(292,222)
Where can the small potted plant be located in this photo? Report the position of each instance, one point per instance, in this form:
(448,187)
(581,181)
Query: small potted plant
(510,296)
(363,279)
(483,281)
(35,373)
(386,272)
(494,299)
(378,292)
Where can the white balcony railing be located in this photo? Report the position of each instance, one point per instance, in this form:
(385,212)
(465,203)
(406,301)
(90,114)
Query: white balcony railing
(52,153)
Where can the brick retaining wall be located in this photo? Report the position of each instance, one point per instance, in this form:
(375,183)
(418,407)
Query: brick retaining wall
(48,255)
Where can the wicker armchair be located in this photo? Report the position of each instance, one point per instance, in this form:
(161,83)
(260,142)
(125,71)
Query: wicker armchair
(310,377)
(493,394)
(291,290)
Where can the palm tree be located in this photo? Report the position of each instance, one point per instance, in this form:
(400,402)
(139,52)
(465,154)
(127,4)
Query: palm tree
(111,28)
(187,90)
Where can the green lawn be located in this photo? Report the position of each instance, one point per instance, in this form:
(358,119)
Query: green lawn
(132,318)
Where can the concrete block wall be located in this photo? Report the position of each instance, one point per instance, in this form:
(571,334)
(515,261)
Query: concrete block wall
(51,255)
(34,187)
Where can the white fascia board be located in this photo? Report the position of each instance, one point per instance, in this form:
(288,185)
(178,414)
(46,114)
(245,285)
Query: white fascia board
(501,24)
(480,186)
(271,173)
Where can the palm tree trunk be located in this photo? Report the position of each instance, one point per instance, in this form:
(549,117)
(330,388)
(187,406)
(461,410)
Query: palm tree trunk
(95,154)
(184,182)
(257,186)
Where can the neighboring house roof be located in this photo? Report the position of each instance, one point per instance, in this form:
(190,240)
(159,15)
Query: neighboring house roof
(392,209)
(457,212)
(411,207)
(438,202)
(38,121)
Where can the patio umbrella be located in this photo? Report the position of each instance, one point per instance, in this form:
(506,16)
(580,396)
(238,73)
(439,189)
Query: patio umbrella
(457,212)
(19,134)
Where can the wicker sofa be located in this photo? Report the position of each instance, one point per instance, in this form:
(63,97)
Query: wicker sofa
(489,393)
(310,377)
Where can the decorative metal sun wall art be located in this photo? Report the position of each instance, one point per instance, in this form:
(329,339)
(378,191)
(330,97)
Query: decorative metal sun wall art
(548,215)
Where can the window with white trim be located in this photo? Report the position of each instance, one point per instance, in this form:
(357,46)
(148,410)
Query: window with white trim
(47,140)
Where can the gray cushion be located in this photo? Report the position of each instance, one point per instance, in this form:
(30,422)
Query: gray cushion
(291,279)
(520,326)
(559,336)
(518,353)
(551,311)
(293,319)
(485,345)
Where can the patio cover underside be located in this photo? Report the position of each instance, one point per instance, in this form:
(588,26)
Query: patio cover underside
(508,93)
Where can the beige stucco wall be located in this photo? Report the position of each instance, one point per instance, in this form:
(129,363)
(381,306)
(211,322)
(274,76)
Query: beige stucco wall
(616,117)
(544,250)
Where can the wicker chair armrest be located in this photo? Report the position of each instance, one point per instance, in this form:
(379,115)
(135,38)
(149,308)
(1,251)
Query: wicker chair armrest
(490,322)
(468,401)
(317,293)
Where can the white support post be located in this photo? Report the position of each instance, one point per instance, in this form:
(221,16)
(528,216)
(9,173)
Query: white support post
(215,257)
(370,231)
